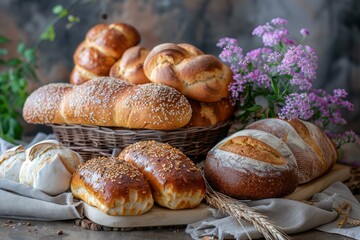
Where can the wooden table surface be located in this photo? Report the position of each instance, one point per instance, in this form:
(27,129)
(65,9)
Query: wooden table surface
(29,230)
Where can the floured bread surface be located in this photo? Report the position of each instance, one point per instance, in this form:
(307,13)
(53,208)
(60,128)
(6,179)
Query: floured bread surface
(252,164)
(175,180)
(11,161)
(112,185)
(313,151)
(49,167)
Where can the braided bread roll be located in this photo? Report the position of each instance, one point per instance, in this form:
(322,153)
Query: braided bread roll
(106,101)
(184,67)
(130,66)
(102,47)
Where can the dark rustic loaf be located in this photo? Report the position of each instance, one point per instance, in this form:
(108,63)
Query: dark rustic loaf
(314,152)
(252,164)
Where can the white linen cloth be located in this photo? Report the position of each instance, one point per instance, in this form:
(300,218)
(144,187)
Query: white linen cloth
(20,201)
(291,216)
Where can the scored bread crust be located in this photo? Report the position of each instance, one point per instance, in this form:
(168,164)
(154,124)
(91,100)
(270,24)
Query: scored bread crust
(11,161)
(109,102)
(175,180)
(313,150)
(184,67)
(113,186)
(251,164)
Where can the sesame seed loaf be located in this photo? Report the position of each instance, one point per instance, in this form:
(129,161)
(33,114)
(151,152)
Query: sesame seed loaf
(102,47)
(175,180)
(196,75)
(251,164)
(113,186)
(130,66)
(314,152)
(107,101)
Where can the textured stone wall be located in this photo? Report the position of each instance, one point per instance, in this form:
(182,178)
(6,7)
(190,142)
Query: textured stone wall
(334,27)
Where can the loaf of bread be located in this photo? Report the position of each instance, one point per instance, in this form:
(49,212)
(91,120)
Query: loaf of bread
(175,181)
(209,114)
(314,152)
(196,75)
(130,66)
(49,167)
(113,186)
(11,161)
(111,102)
(102,47)
(252,164)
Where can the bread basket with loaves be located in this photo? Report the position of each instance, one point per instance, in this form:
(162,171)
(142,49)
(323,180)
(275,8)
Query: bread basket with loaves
(173,93)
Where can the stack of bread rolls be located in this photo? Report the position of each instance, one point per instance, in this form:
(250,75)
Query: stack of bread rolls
(121,186)
(113,50)
(102,47)
(269,159)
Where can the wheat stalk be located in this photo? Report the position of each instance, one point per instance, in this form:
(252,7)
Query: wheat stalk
(242,212)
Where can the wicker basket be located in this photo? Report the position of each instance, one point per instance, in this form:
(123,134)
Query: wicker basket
(93,141)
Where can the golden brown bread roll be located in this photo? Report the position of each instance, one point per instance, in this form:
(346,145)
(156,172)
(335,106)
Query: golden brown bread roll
(207,114)
(102,47)
(175,181)
(111,102)
(130,66)
(196,75)
(252,164)
(114,186)
(314,152)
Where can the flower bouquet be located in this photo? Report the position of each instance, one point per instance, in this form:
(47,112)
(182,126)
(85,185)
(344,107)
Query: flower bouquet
(277,81)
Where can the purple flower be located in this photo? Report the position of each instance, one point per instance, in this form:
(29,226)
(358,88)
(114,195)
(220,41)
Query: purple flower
(304,32)
(223,42)
(296,106)
(279,22)
(259,78)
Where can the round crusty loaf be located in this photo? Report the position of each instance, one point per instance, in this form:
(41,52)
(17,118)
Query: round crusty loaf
(11,161)
(251,164)
(130,66)
(110,102)
(314,152)
(113,186)
(49,167)
(196,75)
(175,180)
(209,114)
(102,47)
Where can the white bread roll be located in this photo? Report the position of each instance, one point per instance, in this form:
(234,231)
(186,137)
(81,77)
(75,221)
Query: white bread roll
(11,161)
(252,164)
(49,167)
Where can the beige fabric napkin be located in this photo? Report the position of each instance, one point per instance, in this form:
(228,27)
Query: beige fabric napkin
(19,201)
(291,216)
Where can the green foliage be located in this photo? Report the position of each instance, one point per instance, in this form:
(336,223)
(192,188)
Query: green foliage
(16,72)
